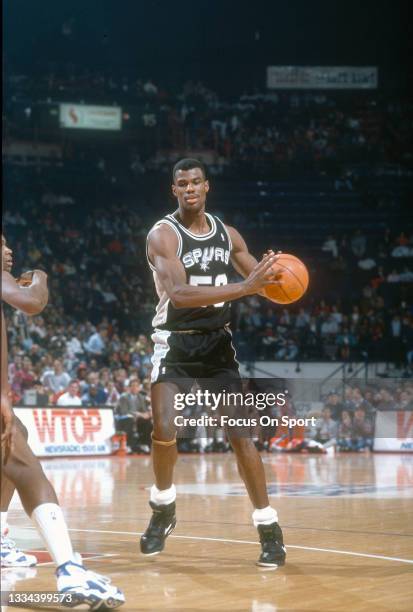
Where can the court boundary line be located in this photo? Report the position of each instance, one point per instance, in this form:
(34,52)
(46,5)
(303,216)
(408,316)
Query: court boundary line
(230,541)
(96,557)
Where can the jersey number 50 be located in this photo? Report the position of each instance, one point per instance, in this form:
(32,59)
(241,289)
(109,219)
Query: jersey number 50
(220,280)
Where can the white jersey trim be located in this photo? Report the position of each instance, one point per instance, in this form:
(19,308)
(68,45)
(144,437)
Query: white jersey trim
(161,348)
(157,224)
(206,236)
(227,233)
(229,330)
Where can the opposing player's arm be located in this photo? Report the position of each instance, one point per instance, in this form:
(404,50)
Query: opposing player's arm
(7,417)
(32,299)
(162,249)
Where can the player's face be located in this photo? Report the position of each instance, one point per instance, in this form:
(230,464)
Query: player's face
(190,188)
(6,255)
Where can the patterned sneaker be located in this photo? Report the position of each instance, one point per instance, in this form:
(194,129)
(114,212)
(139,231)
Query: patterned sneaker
(273,550)
(162,523)
(11,556)
(86,588)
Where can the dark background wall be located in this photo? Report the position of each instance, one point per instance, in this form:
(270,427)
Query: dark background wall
(224,42)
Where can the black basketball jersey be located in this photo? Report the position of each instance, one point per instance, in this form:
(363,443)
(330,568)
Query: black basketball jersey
(206,259)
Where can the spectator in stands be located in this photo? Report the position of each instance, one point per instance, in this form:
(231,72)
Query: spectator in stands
(326,428)
(112,393)
(150,88)
(81,375)
(385,400)
(42,397)
(288,350)
(16,363)
(96,343)
(346,341)
(358,244)
(302,319)
(135,416)
(74,348)
(360,401)
(35,354)
(344,182)
(94,396)
(23,377)
(362,431)
(334,403)
(406,400)
(57,379)
(71,396)
(330,246)
(92,391)
(345,432)
(396,345)
(329,327)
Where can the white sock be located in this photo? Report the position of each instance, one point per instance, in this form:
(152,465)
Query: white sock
(3,523)
(264,516)
(51,525)
(161,498)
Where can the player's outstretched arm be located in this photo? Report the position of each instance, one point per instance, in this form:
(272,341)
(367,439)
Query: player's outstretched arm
(29,299)
(7,423)
(162,248)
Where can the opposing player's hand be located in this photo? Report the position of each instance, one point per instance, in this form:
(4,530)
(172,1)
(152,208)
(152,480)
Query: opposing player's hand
(40,276)
(262,275)
(25,279)
(7,428)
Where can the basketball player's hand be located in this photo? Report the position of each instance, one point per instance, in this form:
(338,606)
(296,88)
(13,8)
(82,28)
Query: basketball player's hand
(40,276)
(261,275)
(7,428)
(25,279)
(275,278)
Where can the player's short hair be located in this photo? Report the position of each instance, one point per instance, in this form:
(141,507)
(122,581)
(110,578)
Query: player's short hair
(188,163)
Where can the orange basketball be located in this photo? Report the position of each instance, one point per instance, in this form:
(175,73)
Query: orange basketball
(294,281)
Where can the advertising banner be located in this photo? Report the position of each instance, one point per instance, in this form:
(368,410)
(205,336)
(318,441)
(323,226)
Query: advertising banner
(322,77)
(394,431)
(55,431)
(82,116)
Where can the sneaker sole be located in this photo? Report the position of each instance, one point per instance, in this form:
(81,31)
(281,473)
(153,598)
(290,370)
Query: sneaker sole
(152,554)
(270,565)
(17,565)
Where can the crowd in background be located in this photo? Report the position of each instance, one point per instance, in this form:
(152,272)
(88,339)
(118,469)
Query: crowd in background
(82,212)
(343,420)
(281,131)
(81,374)
(98,276)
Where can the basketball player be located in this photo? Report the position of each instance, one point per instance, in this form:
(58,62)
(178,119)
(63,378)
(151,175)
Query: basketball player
(189,253)
(20,466)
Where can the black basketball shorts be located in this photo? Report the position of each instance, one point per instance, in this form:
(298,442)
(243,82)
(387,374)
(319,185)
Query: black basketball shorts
(194,355)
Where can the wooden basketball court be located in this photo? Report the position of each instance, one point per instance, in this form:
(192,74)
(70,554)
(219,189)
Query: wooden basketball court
(347,522)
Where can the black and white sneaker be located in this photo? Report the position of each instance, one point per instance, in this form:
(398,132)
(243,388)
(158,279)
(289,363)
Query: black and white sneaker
(273,550)
(162,523)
